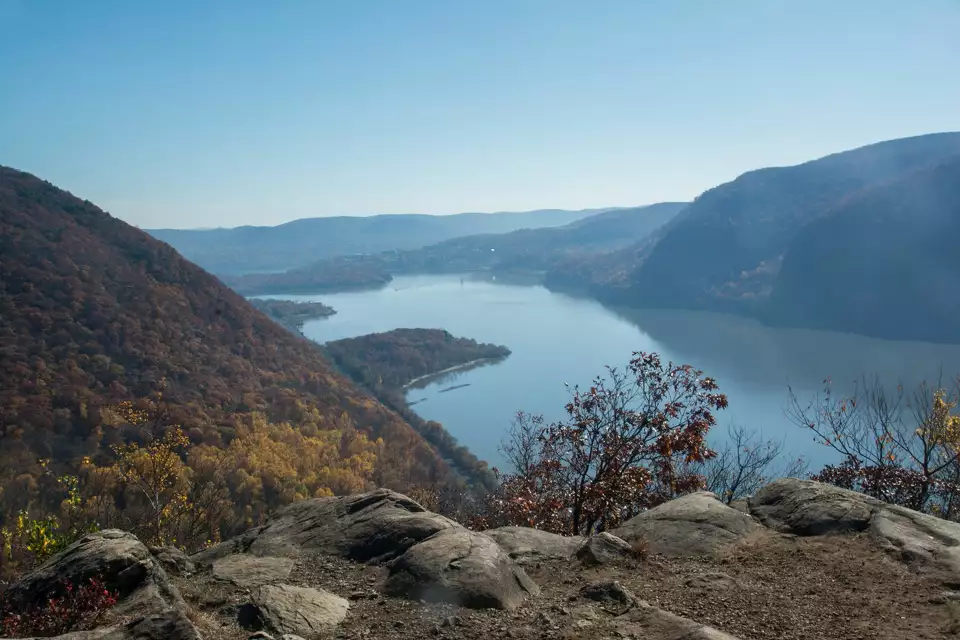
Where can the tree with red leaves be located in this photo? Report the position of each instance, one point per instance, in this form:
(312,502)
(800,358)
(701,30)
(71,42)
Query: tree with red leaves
(631,441)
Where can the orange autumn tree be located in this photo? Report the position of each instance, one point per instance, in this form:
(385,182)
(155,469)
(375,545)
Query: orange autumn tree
(633,440)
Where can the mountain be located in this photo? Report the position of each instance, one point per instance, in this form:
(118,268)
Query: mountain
(524,250)
(94,312)
(724,252)
(300,242)
(882,263)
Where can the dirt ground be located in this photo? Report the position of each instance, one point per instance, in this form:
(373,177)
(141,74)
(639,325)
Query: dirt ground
(769,586)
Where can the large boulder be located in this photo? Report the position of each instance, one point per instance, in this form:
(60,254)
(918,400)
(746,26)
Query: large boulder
(804,507)
(808,508)
(694,524)
(462,567)
(604,548)
(117,558)
(526,545)
(284,608)
(375,526)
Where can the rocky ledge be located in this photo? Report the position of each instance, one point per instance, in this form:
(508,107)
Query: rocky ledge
(801,560)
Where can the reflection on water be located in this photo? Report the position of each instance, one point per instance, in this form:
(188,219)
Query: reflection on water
(557,340)
(756,354)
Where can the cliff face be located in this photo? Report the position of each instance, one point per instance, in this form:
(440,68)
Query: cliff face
(94,311)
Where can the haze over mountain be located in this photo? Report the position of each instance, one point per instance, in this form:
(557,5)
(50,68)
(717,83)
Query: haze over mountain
(94,312)
(522,251)
(286,246)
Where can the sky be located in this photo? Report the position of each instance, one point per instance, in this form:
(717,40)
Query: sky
(187,114)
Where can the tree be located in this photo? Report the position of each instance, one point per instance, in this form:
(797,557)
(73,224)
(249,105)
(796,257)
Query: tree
(630,442)
(897,447)
(746,463)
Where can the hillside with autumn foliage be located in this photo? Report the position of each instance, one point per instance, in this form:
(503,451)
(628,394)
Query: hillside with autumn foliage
(95,313)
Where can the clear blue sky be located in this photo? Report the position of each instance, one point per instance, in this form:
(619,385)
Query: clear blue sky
(179,113)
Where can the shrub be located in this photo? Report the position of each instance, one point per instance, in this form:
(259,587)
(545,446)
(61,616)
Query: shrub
(634,440)
(896,447)
(73,608)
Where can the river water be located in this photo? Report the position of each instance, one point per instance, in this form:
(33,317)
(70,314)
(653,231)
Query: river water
(558,340)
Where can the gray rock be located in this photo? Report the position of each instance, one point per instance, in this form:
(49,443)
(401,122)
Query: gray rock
(375,526)
(173,560)
(461,567)
(804,507)
(610,591)
(297,610)
(809,508)
(526,545)
(604,548)
(430,557)
(694,524)
(169,625)
(245,570)
(117,558)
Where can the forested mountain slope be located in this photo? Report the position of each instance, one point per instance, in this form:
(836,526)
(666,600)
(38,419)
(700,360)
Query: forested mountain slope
(884,263)
(94,312)
(724,252)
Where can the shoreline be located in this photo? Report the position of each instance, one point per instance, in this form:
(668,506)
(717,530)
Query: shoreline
(455,367)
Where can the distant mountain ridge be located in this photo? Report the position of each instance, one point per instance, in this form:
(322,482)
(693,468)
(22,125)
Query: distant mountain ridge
(294,244)
(725,252)
(527,251)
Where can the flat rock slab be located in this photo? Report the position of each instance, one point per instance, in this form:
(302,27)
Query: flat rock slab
(694,524)
(249,571)
(526,545)
(117,558)
(284,608)
(460,567)
(650,623)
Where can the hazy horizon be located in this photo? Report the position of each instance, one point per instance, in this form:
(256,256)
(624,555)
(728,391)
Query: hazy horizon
(226,114)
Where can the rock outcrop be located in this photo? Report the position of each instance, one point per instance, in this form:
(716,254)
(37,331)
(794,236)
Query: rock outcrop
(117,558)
(694,524)
(428,556)
(370,527)
(169,625)
(807,508)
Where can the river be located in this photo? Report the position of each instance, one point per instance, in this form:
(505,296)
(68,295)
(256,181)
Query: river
(557,340)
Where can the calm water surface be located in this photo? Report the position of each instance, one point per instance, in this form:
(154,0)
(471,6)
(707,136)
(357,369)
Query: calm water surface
(557,339)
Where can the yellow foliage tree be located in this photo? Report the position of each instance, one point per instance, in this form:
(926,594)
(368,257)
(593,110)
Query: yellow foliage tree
(273,464)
